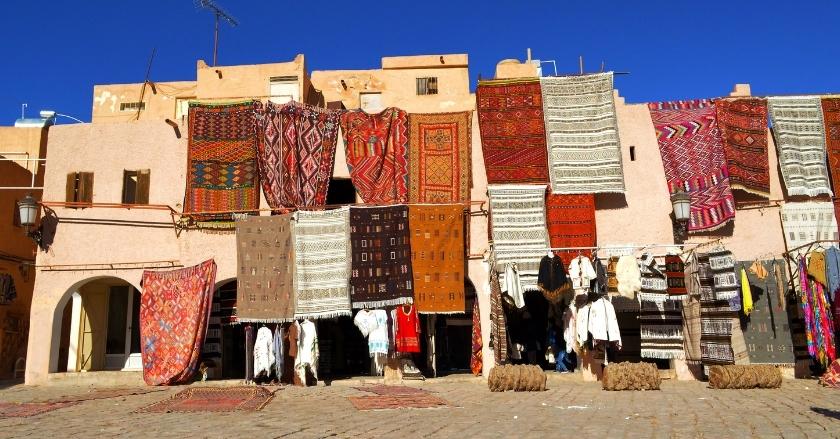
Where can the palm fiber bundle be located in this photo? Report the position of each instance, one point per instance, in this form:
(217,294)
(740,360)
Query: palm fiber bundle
(755,376)
(519,378)
(631,376)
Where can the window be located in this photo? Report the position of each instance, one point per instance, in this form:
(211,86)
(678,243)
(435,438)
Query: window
(136,187)
(370,102)
(132,106)
(80,187)
(282,89)
(427,86)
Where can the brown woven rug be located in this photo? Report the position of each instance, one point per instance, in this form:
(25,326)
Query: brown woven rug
(104,394)
(27,409)
(390,402)
(384,390)
(213,399)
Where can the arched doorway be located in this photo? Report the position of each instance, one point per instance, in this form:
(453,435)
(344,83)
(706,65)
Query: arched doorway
(97,323)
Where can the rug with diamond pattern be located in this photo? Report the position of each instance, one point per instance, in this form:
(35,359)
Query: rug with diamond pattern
(439,158)
(743,129)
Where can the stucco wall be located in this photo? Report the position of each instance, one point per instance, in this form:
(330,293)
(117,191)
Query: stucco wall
(240,82)
(160,102)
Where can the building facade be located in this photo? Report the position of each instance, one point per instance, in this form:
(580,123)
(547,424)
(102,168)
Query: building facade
(87,287)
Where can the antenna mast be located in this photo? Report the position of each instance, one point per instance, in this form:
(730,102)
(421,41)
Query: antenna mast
(218,12)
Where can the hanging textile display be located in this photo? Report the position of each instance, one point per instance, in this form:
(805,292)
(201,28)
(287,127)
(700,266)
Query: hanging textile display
(819,326)
(498,321)
(675,273)
(800,142)
(322,263)
(8,293)
(408,329)
(518,229)
(263,353)
(222,170)
(373,324)
(174,310)
(806,222)
(265,266)
(725,279)
(376,146)
(582,133)
(766,332)
(476,356)
(552,280)
(439,157)
(612,280)
(660,316)
(694,161)
(437,257)
(297,153)
(715,316)
(629,277)
(510,119)
(381,257)
(306,361)
(571,223)
(743,129)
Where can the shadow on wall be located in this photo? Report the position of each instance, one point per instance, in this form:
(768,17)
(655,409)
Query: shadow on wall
(610,201)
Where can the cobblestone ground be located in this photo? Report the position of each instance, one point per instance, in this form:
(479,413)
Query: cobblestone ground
(570,408)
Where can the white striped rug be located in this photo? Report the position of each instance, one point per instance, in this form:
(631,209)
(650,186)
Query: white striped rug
(517,214)
(800,142)
(582,134)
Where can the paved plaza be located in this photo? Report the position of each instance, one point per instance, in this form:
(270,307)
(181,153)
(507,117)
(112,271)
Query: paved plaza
(569,408)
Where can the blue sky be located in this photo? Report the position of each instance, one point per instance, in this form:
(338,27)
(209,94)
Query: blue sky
(55,51)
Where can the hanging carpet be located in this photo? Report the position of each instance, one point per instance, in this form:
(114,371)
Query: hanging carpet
(582,134)
(174,310)
(222,170)
(571,223)
(437,257)
(800,142)
(660,316)
(715,316)
(766,331)
(743,129)
(807,222)
(518,230)
(510,119)
(265,266)
(297,154)
(322,263)
(693,157)
(376,146)
(831,121)
(381,257)
(439,157)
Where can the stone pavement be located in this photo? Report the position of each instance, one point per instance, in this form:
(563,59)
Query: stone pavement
(570,408)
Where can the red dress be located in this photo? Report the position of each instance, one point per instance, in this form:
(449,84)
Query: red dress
(408,330)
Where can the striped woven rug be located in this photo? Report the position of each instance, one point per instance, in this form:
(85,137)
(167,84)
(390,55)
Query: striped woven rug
(517,215)
(800,141)
(582,134)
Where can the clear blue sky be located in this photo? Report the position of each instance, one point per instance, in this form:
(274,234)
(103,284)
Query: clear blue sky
(55,51)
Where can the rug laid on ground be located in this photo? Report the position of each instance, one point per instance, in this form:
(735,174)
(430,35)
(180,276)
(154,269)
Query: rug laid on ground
(322,263)
(571,223)
(518,229)
(439,157)
(510,119)
(800,142)
(27,409)
(581,129)
(437,257)
(381,257)
(391,402)
(381,389)
(376,146)
(831,124)
(766,331)
(743,128)
(174,310)
(265,266)
(104,394)
(213,399)
(693,157)
(222,172)
(297,153)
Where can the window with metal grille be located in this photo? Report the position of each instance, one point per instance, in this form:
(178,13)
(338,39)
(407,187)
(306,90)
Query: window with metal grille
(132,106)
(427,86)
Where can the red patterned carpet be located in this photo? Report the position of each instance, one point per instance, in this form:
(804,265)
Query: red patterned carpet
(213,399)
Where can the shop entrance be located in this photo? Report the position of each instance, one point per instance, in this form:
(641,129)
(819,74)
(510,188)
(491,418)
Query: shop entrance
(224,346)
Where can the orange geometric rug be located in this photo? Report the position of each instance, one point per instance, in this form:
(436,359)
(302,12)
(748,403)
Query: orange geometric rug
(27,409)
(390,402)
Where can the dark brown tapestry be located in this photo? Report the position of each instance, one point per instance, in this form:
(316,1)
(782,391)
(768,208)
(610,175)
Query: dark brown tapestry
(381,257)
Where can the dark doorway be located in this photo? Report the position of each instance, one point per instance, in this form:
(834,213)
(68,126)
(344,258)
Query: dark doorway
(341,191)
(224,346)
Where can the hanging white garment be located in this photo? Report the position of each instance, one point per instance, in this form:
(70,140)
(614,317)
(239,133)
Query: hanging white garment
(628,276)
(374,326)
(513,286)
(308,353)
(263,352)
(603,325)
(581,273)
(569,327)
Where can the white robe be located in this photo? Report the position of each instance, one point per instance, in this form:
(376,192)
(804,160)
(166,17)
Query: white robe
(307,350)
(513,287)
(263,352)
(599,319)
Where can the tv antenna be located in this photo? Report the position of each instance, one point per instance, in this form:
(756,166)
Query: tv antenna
(219,13)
